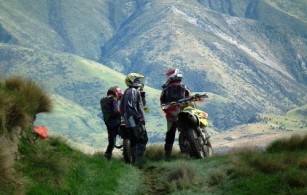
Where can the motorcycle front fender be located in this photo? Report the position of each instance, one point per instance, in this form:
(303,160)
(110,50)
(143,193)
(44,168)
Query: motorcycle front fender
(187,120)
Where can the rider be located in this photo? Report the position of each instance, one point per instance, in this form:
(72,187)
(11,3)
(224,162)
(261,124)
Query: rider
(172,90)
(132,108)
(111,116)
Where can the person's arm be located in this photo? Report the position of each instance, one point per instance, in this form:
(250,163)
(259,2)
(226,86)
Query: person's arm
(187,91)
(162,97)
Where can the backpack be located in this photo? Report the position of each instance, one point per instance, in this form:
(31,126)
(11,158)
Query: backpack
(111,116)
(174,92)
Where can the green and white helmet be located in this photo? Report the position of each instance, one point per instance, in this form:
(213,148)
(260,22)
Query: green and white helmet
(133,79)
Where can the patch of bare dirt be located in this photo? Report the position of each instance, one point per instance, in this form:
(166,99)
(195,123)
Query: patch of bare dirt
(152,180)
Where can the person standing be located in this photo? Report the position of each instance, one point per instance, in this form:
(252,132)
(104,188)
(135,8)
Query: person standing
(172,90)
(132,109)
(111,116)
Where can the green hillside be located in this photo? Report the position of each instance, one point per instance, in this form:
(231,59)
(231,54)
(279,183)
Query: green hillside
(294,120)
(32,165)
(51,166)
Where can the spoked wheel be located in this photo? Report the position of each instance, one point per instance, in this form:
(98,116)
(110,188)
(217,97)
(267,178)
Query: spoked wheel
(207,148)
(206,144)
(195,144)
(126,151)
(184,144)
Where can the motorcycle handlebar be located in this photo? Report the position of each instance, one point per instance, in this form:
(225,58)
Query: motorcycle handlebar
(188,99)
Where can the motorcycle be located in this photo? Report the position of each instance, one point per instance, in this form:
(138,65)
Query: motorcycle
(191,123)
(124,143)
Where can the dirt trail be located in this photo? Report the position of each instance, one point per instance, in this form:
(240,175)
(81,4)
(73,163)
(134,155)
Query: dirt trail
(152,181)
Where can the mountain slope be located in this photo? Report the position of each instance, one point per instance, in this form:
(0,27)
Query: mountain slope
(255,62)
(249,53)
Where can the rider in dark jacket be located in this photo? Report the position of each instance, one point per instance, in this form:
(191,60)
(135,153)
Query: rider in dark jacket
(172,90)
(132,109)
(111,116)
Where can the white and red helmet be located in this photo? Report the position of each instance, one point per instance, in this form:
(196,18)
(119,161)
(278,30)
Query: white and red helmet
(116,91)
(173,75)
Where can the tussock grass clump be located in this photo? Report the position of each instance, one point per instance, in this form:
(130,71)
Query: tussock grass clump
(11,114)
(20,101)
(295,142)
(216,177)
(6,164)
(181,177)
(296,179)
(302,163)
(36,100)
(239,168)
(268,164)
(155,152)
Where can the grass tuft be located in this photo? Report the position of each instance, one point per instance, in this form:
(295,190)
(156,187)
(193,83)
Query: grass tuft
(33,95)
(268,164)
(296,179)
(6,163)
(294,143)
(239,168)
(302,162)
(216,177)
(155,152)
(181,177)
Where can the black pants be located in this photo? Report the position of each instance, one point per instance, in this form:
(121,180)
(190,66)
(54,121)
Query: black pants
(112,133)
(171,133)
(138,136)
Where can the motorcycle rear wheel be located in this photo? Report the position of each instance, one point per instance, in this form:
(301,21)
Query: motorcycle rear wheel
(126,151)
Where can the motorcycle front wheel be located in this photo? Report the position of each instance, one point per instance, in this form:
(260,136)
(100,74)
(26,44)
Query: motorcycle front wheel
(196,149)
(207,148)
(184,144)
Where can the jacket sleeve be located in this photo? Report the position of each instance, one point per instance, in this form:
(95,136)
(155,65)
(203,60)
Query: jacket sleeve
(187,91)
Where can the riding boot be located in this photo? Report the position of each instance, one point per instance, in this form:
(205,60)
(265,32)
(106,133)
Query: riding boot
(133,154)
(139,161)
(108,155)
(168,149)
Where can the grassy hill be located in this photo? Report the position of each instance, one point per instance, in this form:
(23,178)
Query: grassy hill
(51,166)
(32,165)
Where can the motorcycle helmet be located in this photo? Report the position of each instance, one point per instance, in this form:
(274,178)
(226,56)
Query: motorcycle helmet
(173,75)
(116,91)
(134,80)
